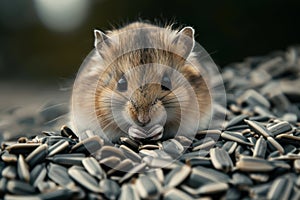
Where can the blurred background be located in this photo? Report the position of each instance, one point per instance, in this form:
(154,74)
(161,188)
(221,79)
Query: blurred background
(43,42)
(48,39)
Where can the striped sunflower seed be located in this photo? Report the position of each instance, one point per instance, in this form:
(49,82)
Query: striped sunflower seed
(260,148)
(177,176)
(84,179)
(58,147)
(19,187)
(235,136)
(221,159)
(93,167)
(280,189)
(258,128)
(250,164)
(136,169)
(129,153)
(176,194)
(147,187)
(59,175)
(279,128)
(23,169)
(173,148)
(110,189)
(37,156)
(128,192)
(212,188)
(88,146)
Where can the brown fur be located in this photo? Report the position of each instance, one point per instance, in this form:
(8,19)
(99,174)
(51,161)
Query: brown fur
(145,98)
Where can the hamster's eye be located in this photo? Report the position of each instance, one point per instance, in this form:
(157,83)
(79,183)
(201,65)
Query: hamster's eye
(166,83)
(122,84)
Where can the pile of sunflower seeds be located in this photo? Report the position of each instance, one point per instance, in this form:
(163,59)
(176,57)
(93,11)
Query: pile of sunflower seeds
(256,155)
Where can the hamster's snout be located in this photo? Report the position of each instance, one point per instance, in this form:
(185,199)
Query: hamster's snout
(143,119)
(146,112)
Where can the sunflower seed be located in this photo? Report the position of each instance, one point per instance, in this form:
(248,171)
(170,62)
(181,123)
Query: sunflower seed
(3,183)
(297,166)
(109,162)
(58,147)
(241,180)
(59,175)
(84,179)
(149,147)
(259,191)
(249,164)
(37,156)
(176,194)
(67,159)
(236,121)
(108,151)
(136,169)
(233,193)
(21,197)
(47,186)
(123,167)
(289,139)
(184,141)
(65,131)
(177,175)
(88,146)
(173,148)
(36,172)
(19,187)
(147,187)
(134,145)
(128,192)
(160,163)
(221,160)
(8,157)
(235,136)
(157,174)
(110,188)
(92,166)
(204,144)
(279,128)
(23,169)
(258,128)
(280,189)
(130,154)
(201,175)
(9,172)
(215,134)
(230,146)
(22,148)
(260,148)
(196,161)
(290,148)
(212,188)
(259,177)
(275,144)
(57,194)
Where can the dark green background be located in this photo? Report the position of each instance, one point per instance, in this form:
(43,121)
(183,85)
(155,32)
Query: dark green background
(229,30)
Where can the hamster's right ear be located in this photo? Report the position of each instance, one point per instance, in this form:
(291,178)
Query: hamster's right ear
(100,39)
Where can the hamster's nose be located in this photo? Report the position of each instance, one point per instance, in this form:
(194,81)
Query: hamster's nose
(143,120)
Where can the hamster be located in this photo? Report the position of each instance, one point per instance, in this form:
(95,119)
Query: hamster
(141,81)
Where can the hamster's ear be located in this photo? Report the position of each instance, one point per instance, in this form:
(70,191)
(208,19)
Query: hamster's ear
(185,41)
(100,39)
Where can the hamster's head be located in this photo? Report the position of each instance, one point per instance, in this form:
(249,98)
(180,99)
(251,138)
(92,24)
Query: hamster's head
(148,93)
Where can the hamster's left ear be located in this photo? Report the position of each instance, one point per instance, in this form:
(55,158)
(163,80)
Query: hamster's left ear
(185,41)
(100,39)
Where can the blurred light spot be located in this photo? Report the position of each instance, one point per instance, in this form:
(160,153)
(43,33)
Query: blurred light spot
(62,15)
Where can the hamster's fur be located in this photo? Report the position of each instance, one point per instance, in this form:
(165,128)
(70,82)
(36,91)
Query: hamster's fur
(121,85)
